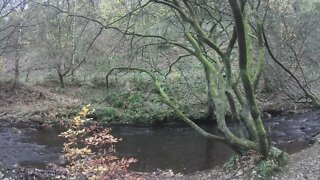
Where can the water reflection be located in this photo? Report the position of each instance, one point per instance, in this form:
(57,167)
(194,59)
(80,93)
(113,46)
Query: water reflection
(180,149)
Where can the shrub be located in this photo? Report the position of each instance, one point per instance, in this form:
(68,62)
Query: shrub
(106,114)
(90,151)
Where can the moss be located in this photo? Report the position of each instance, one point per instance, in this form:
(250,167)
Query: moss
(231,163)
(266,168)
(275,163)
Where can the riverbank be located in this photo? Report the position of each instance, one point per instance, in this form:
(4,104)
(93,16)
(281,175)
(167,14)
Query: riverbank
(46,105)
(39,104)
(33,105)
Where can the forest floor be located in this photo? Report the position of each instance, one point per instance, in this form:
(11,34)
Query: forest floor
(38,105)
(33,105)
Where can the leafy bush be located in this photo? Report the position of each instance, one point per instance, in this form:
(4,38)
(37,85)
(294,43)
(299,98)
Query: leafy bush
(90,151)
(135,99)
(266,168)
(116,100)
(106,114)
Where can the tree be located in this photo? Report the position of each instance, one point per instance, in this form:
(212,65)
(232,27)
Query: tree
(18,42)
(207,31)
(67,39)
(201,36)
(11,23)
(296,39)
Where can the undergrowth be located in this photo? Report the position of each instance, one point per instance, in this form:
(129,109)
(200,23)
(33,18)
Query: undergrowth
(256,167)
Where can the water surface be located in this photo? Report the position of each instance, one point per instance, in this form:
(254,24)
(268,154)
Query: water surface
(180,148)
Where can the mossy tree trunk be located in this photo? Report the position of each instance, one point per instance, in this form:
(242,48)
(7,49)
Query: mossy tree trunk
(231,91)
(245,77)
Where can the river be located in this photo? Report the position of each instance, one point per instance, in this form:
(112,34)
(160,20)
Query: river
(178,148)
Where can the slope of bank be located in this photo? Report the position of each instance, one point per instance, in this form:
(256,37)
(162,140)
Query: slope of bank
(305,164)
(33,105)
(40,104)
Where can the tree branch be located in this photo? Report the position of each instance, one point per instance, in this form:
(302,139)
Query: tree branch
(165,99)
(310,95)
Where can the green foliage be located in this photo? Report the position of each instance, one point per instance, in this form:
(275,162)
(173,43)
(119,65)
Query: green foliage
(111,112)
(141,82)
(112,9)
(135,99)
(149,115)
(136,107)
(106,114)
(97,81)
(231,163)
(266,168)
(126,100)
(142,105)
(261,168)
(116,100)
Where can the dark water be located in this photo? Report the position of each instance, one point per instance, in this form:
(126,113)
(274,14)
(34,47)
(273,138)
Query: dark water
(29,147)
(180,149)
(177,148)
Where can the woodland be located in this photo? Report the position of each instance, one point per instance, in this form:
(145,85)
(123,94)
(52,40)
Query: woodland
(87,65)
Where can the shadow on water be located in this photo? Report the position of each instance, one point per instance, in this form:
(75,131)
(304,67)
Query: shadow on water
(180,149)
(177,148)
